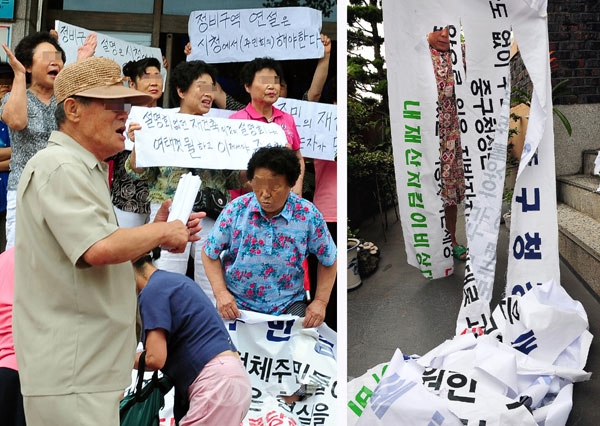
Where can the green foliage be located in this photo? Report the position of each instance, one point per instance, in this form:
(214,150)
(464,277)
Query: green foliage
(325,6)
(508,195)
(367,165)
(351,233)
(366,64)
(370,159)
(358,117)
(511,160)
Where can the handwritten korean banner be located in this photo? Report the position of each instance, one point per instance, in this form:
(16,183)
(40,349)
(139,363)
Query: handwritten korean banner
(71,37)
(169,138)
(241,35)
(316,124)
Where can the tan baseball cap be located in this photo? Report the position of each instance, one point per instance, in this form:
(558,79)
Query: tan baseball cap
(98,78)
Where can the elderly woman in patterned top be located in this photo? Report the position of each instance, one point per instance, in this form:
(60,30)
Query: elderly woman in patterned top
(451,163)
(253,255)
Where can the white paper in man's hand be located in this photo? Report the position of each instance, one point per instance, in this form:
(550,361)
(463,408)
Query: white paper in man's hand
(184,198)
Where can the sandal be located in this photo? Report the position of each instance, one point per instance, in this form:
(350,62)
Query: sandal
(459,252)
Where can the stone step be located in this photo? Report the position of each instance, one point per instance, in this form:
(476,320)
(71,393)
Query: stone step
(589,157)
(579,244)
(579,192)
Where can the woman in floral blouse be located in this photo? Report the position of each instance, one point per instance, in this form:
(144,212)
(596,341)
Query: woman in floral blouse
(253,256)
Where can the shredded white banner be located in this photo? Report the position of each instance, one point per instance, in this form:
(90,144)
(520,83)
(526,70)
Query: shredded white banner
(516,366)
(501,378)
(413,95)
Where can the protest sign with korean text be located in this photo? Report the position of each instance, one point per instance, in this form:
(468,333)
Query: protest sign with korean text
(168,138)
(71,37)
(316,124)
(282,33)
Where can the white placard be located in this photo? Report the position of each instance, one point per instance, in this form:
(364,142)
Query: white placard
(185,195)
(5,34)
(240,35)
(168,138)
(70,37)
(316,124)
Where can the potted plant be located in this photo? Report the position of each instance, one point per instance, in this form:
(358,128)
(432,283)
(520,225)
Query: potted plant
(354,280)
(368,258)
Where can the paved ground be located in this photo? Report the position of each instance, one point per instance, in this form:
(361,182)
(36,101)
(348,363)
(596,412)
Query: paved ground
(417,315)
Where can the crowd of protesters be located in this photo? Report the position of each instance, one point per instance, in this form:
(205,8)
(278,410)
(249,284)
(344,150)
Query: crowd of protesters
(81,218)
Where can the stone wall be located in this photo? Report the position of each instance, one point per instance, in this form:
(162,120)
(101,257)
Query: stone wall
(586,128)
(574,35)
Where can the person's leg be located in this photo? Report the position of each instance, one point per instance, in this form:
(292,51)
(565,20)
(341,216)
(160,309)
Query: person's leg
(451,217)
(220,395)
(85,409)
(199,273)
(172,262)
(11,401)
(451,212)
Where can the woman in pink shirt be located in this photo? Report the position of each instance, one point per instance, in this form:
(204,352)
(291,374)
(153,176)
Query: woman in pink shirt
(262,80)
(11,400)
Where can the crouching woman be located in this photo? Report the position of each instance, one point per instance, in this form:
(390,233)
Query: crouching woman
(185,338)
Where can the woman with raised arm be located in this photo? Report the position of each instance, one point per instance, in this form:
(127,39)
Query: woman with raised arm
(262,80)
(28,110)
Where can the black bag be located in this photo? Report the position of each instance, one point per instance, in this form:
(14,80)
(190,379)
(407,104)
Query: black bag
(141,406)
(211,201)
